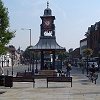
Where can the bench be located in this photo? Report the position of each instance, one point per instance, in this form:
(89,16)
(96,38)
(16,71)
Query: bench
(24,79)
(59,79)
(24,74)
(48,72)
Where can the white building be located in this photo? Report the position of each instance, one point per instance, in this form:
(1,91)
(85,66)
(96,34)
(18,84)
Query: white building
(11,57)
(83,45)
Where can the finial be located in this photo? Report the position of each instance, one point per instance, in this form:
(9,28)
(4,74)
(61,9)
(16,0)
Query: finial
(47,4)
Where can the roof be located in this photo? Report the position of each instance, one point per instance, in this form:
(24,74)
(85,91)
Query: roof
(47,43)
(85,39)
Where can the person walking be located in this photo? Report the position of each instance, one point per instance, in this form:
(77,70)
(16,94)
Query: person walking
(45,66)
(68,69)
(1,71)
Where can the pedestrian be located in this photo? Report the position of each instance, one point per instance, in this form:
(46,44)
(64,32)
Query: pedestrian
(1,71)
(93,68)
(60,72)
(36,70)
(45,66)
(82,67)
(68,67)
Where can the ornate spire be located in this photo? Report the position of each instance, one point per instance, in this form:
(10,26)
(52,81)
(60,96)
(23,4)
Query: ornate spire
(47,11)
(47,4)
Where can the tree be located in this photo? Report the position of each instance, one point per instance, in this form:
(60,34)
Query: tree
(5,34)
(63,55)
(28,55)
(87,53)
(70,50)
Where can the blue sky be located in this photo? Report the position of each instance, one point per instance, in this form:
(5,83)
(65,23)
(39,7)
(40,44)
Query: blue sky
(73,17)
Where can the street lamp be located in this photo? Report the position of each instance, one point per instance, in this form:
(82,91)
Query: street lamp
(30,43)
(29,32)
(12,61)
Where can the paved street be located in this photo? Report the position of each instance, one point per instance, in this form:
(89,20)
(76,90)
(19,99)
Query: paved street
(82,89)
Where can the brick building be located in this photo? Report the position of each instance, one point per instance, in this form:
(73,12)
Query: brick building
(93,38)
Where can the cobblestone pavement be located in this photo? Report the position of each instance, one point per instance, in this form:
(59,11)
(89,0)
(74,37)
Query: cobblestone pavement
(82,89)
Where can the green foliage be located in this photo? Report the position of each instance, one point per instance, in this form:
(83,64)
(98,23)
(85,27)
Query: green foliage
(31,54)
(62,55)
(5,34)
(88,52)
(27,53)
(70,50)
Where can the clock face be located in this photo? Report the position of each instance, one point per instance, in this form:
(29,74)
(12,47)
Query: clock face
(47,22)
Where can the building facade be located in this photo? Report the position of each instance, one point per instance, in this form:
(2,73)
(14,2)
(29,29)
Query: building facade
(12,56)
(83,45)
(93,38)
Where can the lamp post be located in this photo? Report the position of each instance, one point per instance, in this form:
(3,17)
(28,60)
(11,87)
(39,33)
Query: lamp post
(30,42)
(12,61)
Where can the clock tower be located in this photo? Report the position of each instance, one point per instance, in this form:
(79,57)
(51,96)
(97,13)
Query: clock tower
(47,26)
(47,45)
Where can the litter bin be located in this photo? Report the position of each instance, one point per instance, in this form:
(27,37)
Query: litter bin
(8,81)
(1,80)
